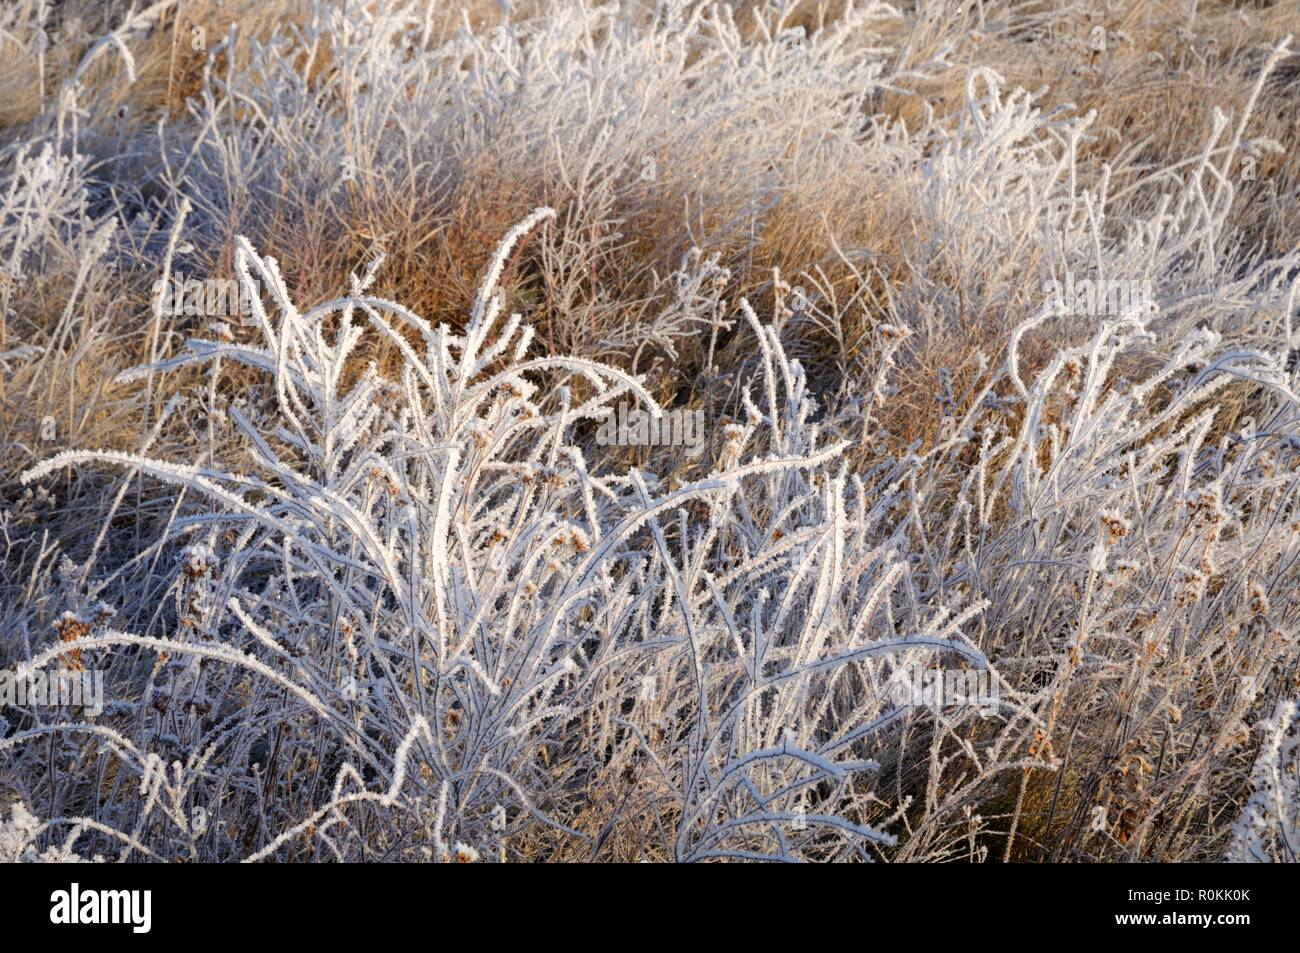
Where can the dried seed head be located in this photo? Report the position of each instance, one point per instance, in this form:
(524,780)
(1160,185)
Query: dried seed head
(197,561)
(1114,526)
(1259,599)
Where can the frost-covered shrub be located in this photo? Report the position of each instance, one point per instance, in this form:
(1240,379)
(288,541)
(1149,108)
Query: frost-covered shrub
(19,834)
(364,586)
(419,587)
(1269,827)
(423,570)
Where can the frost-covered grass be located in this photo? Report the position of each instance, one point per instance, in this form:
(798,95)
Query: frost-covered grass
(364,584)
